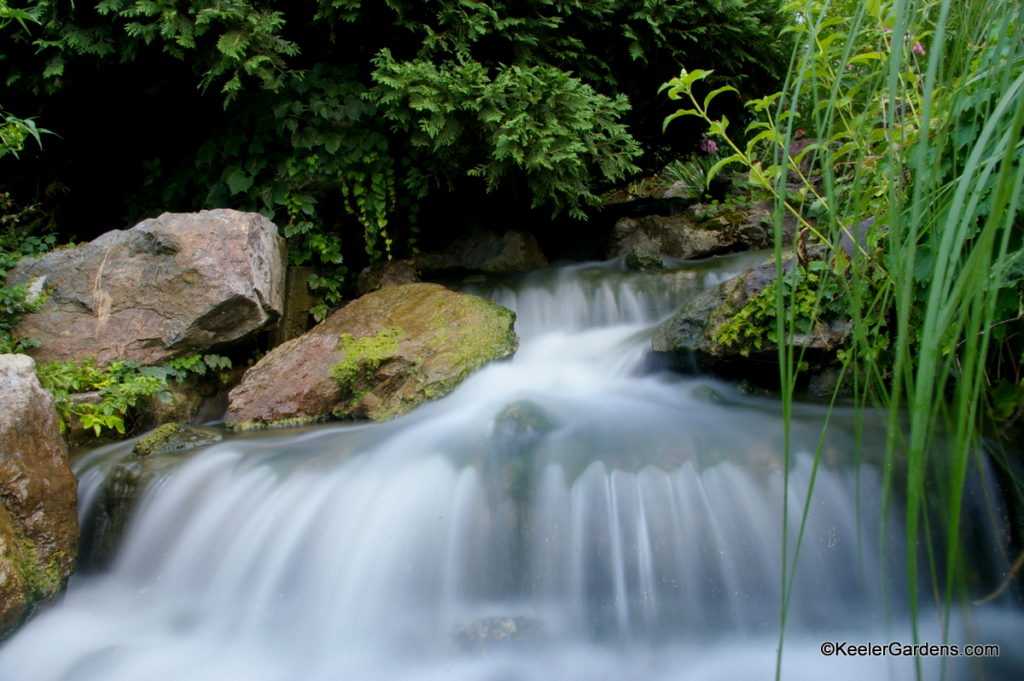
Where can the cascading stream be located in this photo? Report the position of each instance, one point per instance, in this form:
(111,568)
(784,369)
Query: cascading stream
(626,524)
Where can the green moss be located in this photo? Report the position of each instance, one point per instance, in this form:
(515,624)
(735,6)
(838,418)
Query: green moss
(172,438)
(478,344)
(155,440)
(447,343)
(41,580)
(362,356)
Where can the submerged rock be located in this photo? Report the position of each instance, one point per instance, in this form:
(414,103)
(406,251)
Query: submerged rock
(170,286)
(498,632)
(154,455)
(38,504)
(376,358)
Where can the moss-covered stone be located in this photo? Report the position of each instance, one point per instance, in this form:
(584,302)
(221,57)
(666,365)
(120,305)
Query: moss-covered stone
(171,438)
(376,358)
(695,337)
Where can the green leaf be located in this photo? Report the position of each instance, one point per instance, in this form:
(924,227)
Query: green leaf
(717,168)
(238,180)
(714,93)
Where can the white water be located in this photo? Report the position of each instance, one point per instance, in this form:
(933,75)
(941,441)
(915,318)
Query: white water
(634,520)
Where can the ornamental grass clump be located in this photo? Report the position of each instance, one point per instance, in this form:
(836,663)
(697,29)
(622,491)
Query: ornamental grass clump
(916,109)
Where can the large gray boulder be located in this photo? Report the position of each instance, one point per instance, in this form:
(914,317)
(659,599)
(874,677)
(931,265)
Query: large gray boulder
(170,286)
(38,496)
(376,358)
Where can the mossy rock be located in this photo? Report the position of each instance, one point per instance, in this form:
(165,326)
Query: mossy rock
(376,358)
(690,338)
(172,438)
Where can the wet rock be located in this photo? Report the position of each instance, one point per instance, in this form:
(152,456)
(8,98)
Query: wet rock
(38,504)
(107,520)
(154,455)
(498,632)
(677,236)
(376,358)
(298,301)
(168,287)
(518,428)
(522,419)
(181,402)
(172,438)
(688,337)
(393,273)
(639,260)
(486,252)
(699,231)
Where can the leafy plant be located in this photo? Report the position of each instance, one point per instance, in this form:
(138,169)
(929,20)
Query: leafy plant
(181,368)
(688,177)
(537,120)
(15,131)
(120,386)
(811,293)
(918,111)
(350,123)
(16,301)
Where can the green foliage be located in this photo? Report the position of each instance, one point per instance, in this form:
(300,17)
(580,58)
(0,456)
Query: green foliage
(811,293)
(689,176)
(120,387)
(917,110)
(15,131)
(181,368)
(341,117)
(535,120)
(16,301)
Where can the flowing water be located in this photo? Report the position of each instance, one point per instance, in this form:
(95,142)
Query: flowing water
(571,513)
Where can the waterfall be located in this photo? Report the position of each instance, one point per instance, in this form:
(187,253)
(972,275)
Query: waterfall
(568,513)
